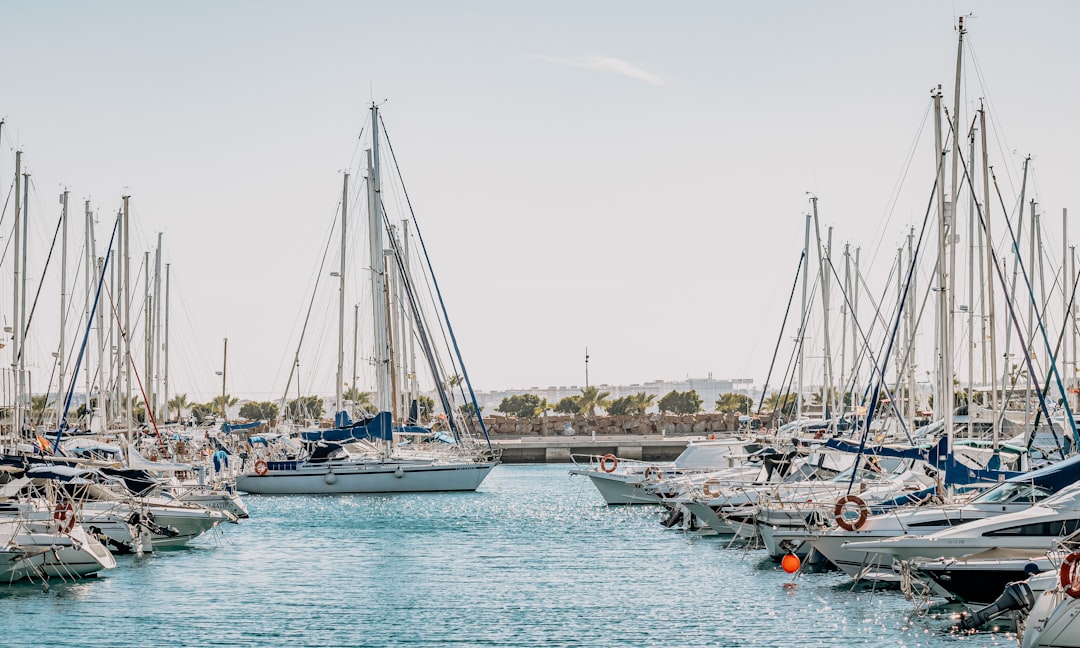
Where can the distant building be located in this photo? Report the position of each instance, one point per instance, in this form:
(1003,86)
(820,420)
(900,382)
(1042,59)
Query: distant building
(708,389)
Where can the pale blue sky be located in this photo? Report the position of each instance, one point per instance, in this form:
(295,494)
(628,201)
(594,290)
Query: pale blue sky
(629,177)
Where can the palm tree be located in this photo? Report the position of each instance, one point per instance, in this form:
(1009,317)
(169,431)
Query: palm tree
(590,399)
(359,398)
(179,403)
(640,402)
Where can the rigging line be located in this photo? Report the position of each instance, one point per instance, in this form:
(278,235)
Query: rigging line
(37,295)
(1042,328)
(86,338)
(135,371)
(894,196)
(435,282)
(1009,300)
(998,137)
(1057,349)
(896,324)
(421,332)
(783,325)
(1001,277)
(866,344)
(307,318)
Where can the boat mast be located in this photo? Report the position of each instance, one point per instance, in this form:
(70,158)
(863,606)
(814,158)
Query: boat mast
(383,394)
(911,320)
(989,284)
(802,323)
(1066,288)
(972,297)
(126,332)
(339,404)
(88,265)
(62,367)
(23,333)
(943,401)
(16,332)
(155,355)
(165,351)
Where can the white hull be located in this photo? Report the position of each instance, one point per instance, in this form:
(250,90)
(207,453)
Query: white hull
(367,477)
(620,489)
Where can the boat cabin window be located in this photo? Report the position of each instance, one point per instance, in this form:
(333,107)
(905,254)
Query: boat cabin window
(1049,529)
(1012,492)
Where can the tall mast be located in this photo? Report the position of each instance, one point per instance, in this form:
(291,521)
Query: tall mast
(338,402)
(910,324)
(944,397)
(224,373)
(23,333)
(16,332)
(89,271)
(148,337)
(1066,289)
(165,349)
(972,297)
(989,284)
(62,367)
(384,394)
(155,339)
(414,385)
(802,320)
(126,332)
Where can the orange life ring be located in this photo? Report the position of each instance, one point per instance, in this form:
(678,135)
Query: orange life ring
(608,463)
(709,490)
(64,516)
(261,468)
(653,473)
(842,521)
(1066,574)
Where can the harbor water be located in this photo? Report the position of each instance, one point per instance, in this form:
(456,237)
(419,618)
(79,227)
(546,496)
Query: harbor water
(533,558)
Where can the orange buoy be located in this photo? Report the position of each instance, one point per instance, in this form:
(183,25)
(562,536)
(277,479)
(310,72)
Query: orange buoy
(790,563)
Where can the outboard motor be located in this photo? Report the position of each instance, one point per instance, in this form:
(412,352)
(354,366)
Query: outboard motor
(1017,596)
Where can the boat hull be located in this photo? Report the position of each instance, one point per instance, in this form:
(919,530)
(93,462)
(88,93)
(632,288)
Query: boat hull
(367,478)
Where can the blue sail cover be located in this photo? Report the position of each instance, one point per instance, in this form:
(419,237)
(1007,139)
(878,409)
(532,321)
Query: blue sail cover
(240,427)
(378,427)
(1053,477)
(956,473)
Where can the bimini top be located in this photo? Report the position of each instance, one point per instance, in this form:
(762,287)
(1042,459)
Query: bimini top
(379,426)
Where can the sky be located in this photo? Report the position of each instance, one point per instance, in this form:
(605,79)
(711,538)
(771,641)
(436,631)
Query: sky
(630,178)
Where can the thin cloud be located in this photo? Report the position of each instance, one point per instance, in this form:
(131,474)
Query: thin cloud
(607,64)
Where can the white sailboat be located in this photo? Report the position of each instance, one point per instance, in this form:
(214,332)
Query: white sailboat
(363,457)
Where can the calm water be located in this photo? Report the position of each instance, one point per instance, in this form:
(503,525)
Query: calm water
(532,559)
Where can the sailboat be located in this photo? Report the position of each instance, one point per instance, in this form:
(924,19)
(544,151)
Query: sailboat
(367,456)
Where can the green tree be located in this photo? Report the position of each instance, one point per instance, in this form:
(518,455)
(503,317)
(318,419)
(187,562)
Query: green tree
(359,398)
(468,411)
(305,407)
(734,403)
(425,406)
(179,403)
(787,403)
(677,402)
(521,405)
(38,405)
(641,402)
(202,411)
(257,411)
(620,406)
(227,399)
(592,398)
(568,405)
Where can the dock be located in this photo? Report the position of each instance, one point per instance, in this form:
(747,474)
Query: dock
(558,449)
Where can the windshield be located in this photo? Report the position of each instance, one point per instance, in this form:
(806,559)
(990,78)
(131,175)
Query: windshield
(1012,492)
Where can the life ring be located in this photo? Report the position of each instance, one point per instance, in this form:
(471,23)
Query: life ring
(608,463)
(1068,567)
(711,488)
(64,516)
(842,521)
(261,468)
(653,473)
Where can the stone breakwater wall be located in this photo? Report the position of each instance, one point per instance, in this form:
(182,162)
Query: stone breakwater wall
(661,424)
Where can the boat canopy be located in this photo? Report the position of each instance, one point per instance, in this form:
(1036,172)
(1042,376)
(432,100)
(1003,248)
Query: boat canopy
(240,427)
(377,427)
